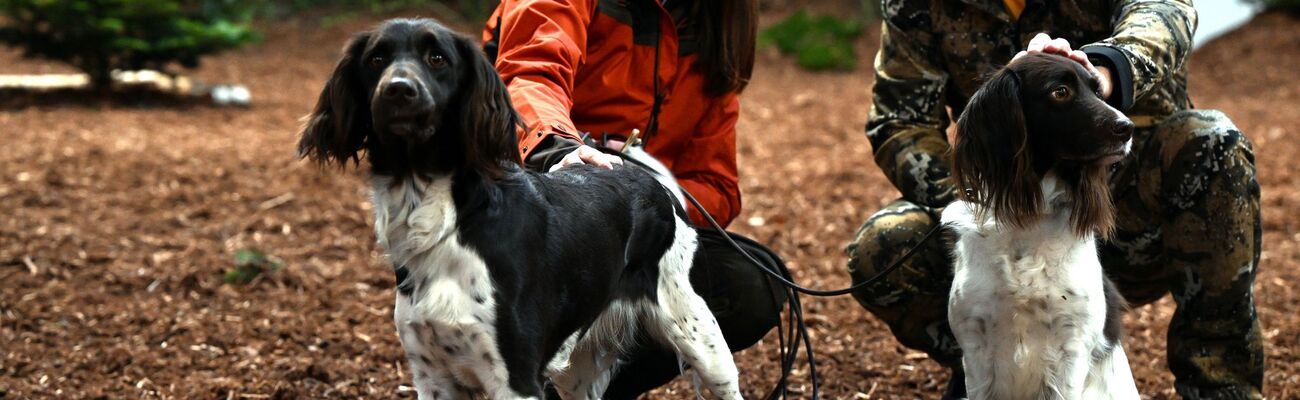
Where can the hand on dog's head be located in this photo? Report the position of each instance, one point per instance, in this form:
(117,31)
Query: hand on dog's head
(1039,113)
(418,98)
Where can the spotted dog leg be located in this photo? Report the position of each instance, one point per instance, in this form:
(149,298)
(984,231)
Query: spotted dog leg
(683,320)
(433,380)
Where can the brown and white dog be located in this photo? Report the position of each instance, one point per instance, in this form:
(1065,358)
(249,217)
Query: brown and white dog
(1030,306)
(505,276)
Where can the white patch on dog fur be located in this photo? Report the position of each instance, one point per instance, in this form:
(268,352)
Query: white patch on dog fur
(446,325)
(1111,378)
(560,361)
(1028,308)
(683,321)
(661,172)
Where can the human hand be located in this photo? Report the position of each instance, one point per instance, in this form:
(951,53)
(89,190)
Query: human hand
(1042,43)
(588,155)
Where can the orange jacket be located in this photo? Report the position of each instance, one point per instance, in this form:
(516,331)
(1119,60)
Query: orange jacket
(588,66)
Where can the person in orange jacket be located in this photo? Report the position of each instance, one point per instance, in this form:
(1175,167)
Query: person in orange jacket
(590,71)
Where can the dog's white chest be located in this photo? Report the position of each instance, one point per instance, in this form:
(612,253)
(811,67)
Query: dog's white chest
(1027,305)
(447,321)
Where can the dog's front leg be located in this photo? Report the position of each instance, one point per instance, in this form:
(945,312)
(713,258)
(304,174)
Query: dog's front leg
(978,357)
(973,325)
(430,375)
(1067,381)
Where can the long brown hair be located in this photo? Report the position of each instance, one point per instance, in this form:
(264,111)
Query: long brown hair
(727,34)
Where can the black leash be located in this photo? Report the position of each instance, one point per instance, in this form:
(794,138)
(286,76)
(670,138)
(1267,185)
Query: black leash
(784,280)
(816,292)
(798,330)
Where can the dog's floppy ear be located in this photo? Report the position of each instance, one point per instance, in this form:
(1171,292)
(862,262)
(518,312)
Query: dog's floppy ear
(489,121)
(336,129)
(992,162)
(1093,209)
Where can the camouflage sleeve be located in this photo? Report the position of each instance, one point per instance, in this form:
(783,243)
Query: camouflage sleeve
(908,116)
(1150,43)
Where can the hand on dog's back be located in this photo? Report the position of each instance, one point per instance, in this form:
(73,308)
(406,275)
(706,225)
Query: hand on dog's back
(585,154)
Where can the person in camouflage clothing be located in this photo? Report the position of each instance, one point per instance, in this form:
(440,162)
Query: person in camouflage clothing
(1188,220)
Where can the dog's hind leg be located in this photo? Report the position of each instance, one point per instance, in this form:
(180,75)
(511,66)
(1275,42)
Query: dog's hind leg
(682,320)
(589,363)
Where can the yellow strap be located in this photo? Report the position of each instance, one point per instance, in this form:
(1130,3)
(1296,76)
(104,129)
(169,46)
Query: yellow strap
(1014,7)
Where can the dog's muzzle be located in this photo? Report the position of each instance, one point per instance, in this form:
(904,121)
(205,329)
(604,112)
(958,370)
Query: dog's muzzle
(401,105)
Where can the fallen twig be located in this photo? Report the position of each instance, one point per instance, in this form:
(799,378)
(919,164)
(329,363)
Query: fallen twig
(31,266)
(275,202)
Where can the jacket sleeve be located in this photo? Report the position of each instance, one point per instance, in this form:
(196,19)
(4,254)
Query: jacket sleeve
(541,44)
(707,167)
(908,117)
(1150,42)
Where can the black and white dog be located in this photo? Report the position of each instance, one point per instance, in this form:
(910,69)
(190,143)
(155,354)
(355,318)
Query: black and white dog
(505,276)
(1032,310)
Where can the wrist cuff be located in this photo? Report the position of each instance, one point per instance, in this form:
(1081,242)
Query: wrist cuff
(1121,73)
(549,151)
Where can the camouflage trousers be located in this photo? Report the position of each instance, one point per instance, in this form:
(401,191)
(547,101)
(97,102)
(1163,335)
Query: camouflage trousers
(1188,224)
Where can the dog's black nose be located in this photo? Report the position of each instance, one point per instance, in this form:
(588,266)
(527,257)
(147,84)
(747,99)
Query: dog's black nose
(1122,127)
(400,89)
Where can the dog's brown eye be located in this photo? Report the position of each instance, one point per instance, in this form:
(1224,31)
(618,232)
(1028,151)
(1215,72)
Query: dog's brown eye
(377,61)
(1061,93)
(437,60)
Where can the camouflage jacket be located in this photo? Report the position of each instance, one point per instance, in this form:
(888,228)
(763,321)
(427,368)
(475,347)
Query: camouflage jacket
(934,53)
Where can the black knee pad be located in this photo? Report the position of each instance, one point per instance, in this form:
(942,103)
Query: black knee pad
(746,301)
